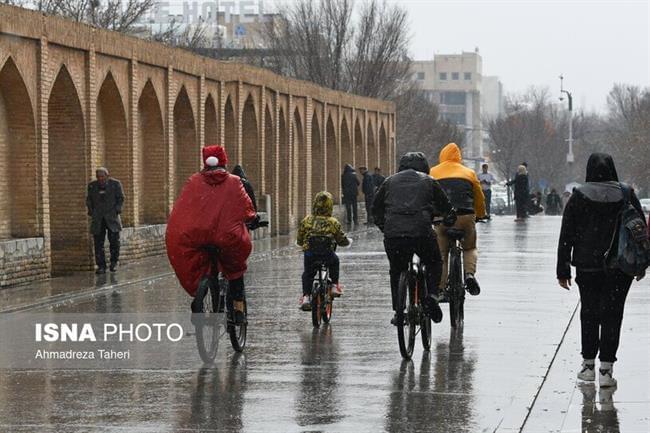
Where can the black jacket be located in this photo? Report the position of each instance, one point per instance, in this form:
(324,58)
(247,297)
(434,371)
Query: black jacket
(590,218)
(520,182)
(406,202)
(105,203)
(349,183)
(248,187)
(378,179)
(368,185)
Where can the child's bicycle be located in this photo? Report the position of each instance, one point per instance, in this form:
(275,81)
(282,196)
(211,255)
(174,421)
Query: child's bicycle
(322,301)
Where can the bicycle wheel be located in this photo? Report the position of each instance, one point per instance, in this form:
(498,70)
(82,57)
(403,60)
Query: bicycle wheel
(406,325)
(425,321)
(328,305)
(456,290)
(238,332)
(316,304)
(210,326)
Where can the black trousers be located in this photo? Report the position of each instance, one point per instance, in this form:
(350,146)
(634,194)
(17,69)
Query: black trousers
(114,245)
(488,200)
(351,211)
(521,206)
(602,297)
(400,251)
(369,199)
(309,272)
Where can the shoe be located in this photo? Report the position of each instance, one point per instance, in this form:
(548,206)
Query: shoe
(113,267)
(394,320)
(305,303)
(432,309)
(588,371)
(196,307)
(337,290)
(101,270)
(605,378)
(471,285)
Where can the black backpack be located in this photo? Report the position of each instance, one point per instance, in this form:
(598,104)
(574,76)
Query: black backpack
(631,254)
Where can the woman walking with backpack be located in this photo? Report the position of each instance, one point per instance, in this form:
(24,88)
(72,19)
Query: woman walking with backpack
(589,224)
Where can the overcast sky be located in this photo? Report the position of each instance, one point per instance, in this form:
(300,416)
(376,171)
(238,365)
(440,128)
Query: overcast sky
(593,43)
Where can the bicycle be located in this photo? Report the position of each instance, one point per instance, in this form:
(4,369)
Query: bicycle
(454,291)
(411,317)
(321,293)
(218,312)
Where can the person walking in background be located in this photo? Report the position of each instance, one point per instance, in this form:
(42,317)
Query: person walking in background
(368,188)
(588,225)
(238,170)
(104,201)
(522,194)
(553,203)
(486,180)
(350,187)
(378,178)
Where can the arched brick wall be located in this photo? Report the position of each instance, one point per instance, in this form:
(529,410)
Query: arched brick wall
(186,149)
(153,158)
(67,162)
(270,157)
(299,157)
(383,151)
(113,148)
(283,175)
(18,157)
(347,156)
(230,132)
(317,158)
(211,130)
(372,147)
(251,155)
(359,156)
(333,170)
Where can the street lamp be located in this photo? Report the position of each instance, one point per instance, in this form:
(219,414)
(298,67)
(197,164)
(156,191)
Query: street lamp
(569,156)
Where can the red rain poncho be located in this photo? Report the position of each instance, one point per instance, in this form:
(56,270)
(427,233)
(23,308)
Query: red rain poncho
(211,210)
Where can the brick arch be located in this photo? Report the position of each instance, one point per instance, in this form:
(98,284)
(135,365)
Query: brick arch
(284,184)
(371,146)
(153,158)
(333,174)
(70,244)
(347,155)
(384,161)
(186,148)
(359,154)
(211,128)
(270,159)
(113,149)
(300,165)
(317,157)
(230,131)
(251,151)
(18,157)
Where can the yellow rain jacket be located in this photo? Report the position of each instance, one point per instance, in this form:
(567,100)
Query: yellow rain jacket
(459,182)
(321,223)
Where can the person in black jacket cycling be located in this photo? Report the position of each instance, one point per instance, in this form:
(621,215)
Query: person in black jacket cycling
(588,224)
(238,170)
(403,209)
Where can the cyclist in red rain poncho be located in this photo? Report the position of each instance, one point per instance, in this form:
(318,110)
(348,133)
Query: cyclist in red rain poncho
(211,211)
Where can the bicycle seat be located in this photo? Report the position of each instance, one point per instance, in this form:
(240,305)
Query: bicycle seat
(455,234)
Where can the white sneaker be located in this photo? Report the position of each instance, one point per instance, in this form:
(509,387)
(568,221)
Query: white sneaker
(605,378)
(305,303)
(587,372)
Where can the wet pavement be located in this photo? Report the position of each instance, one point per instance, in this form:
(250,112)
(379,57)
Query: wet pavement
(511,368)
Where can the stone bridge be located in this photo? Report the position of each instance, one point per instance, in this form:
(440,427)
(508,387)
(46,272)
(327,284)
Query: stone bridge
(73,98)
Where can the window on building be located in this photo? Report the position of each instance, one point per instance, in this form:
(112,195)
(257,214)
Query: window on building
(443,75)
(455,118)
(452,98)
(454,75)
(420,75)
(468,76)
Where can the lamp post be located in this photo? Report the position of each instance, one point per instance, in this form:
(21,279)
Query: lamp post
(569,156)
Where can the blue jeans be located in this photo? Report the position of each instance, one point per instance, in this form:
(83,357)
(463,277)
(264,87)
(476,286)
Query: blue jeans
(332,261)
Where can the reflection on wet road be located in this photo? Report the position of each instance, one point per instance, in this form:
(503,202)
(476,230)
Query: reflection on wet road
(347,377)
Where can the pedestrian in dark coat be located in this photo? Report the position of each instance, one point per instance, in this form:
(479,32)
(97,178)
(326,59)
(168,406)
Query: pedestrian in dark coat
(378,178)
(522,193)
(350,187)
(368,188)
(104,201)
(239,171)
(589,221)
(553,203)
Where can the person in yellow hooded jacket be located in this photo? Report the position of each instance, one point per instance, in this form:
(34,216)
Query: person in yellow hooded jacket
(463,188)
(320,223)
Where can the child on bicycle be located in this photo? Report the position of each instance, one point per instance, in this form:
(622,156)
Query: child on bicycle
(320,223)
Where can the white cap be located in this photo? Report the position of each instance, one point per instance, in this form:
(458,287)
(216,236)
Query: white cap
(212,161)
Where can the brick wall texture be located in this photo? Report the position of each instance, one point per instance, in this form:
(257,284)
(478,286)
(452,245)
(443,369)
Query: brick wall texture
(73,98)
